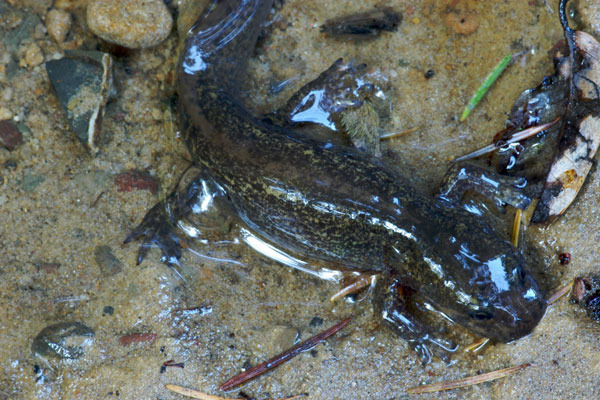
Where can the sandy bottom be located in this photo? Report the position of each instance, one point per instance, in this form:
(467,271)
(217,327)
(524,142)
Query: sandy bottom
(253,307)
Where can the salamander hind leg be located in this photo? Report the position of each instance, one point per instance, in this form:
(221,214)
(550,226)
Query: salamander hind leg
(167,221)
(393,301)
(157,230)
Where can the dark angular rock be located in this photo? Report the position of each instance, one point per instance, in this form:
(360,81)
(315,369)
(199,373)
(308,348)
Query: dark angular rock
(82,81)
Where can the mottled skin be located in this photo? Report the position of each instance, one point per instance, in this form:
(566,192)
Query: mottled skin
(337,204)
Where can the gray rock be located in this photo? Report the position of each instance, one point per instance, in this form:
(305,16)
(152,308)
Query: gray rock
(108,263)
(64,340)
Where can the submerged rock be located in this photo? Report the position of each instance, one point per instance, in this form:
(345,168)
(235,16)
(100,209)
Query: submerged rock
(109,264)
(82,81)
(65,340)
(130,23)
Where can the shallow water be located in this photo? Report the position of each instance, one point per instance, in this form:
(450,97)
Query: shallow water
(250,308)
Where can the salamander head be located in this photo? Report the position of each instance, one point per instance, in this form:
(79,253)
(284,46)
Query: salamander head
(501,300)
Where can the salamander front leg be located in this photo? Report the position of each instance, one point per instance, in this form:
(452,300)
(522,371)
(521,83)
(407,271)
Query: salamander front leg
(393,301)
(500,188)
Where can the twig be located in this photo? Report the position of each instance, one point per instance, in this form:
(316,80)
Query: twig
(521,135)
(472,380)
(514,238)
(560,293)
(283,357)
(204,396)
(477,345)
(361,282)
(485,86)
(392,135)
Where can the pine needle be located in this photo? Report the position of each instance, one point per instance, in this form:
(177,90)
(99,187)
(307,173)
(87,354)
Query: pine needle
(477,345)
(560,293)
(397,134)
(194,394)
(362,282)
(517,137)
(514,238)
(472,380)
(283,357)
(485,86)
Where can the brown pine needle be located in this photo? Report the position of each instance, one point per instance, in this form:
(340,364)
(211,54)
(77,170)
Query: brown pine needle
(387,136)
(361,282)
(472,380)
(514,238)
(283,357)
(517,137)
(560,293)
(194,394)
(477,345)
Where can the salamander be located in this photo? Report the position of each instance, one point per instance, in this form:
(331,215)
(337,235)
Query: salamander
(336,204)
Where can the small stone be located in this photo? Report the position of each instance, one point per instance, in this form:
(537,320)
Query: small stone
(130,180)
(65,340)
(10,137)
(316,321)
(463,23)
(5,113)
(130,23)
(31,181)
(58,23)
(108,310)
(106,260)
(33,56)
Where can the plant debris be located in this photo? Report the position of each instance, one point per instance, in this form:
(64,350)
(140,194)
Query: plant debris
(514,237)
(514,138)
(283,357)
(586,292)
(477,345)
(136,338)
(568,148)
(563,291)
(392,135)
(367,24)
(472,380)
(204,396)
(485,86)
(362,282)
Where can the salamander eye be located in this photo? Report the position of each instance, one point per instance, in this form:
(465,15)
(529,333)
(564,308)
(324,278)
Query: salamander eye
(520,274)
(481,315)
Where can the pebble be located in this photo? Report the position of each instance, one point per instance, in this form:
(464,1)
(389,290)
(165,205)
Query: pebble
(136,180)
(590,15)
(5,113)
(10,137)
(463,23)
(31,181)
(65,340)
(33,56)
(58,23)
(130,23)
(106,260)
